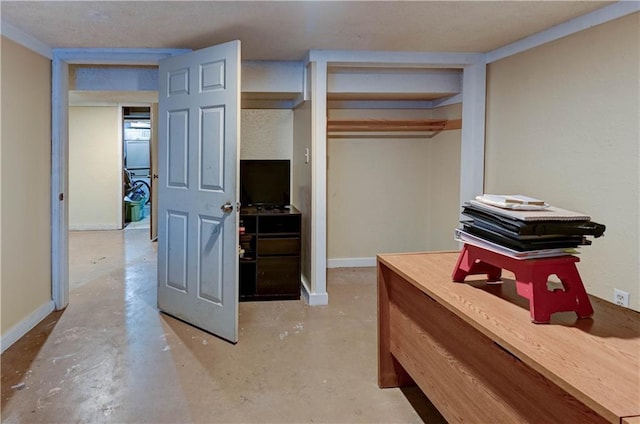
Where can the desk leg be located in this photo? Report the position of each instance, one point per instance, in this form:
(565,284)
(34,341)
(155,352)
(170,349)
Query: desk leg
(390,372)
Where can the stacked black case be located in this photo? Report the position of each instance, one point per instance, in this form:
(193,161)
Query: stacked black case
(521,235)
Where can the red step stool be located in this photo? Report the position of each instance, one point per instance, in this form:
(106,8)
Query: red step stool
(531,280)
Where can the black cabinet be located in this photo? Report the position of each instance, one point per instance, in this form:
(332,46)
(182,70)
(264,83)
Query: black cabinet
(270,262)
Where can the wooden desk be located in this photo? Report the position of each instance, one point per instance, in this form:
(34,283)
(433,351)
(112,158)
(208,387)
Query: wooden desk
(474,352)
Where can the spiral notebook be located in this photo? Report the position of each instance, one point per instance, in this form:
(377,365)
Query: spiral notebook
(513,201)
(550,213)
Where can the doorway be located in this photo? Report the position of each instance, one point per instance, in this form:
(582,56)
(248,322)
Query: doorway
(109,149)
(62,61)
(136,157)
(95,194)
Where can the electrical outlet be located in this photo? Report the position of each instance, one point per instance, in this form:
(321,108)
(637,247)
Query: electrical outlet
(621,298)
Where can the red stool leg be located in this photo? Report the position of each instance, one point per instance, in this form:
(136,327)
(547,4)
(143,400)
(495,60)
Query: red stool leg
(463,265)
(574,297)
(542,302)
(469,263)
(531,282)
(529,285)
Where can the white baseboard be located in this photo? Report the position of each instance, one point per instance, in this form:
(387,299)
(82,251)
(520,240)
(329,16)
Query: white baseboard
(351,262)
(23,327)
(94,227)
(313,299)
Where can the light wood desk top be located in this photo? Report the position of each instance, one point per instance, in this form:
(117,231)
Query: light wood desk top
(596,360)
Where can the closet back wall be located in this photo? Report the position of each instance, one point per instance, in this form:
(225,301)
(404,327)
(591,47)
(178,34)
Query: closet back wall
(444,180)
(377,198)
(391,194)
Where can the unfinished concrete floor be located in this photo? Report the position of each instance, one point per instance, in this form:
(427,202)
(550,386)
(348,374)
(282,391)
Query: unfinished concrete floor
(111,357)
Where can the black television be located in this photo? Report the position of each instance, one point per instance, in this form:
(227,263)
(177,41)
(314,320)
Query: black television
(265,183)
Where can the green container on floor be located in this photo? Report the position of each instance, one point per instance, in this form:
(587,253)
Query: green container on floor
(134,210)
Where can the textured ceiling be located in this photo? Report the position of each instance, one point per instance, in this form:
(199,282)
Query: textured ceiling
(274,30)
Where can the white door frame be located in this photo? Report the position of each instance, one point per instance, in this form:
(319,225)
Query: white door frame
(61,60)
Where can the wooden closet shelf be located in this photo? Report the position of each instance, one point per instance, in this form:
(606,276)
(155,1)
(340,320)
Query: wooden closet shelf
(382,125)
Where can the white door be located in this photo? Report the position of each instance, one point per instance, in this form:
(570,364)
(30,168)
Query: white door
(199,129)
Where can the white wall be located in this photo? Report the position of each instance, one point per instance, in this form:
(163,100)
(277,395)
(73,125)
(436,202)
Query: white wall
(95,168)
(562,125)
(301,191)
(25,179)
(266,134)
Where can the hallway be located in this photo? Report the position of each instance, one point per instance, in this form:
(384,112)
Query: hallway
(111,357)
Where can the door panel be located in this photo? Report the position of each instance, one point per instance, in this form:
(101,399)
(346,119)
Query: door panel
(212,148)
(176,260)
(210,262)
(199,122)
(178,148)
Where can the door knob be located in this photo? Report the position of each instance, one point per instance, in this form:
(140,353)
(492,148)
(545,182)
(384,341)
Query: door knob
(227,207)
